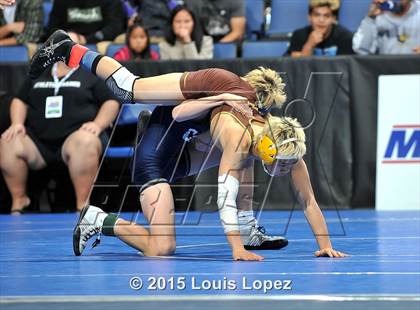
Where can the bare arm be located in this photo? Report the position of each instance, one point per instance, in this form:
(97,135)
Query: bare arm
(228,136)
(314,39)
(18,112)
(13,28)
(8,41)
(246,190)
(106,115)
(306,198)
(5,31)
(237,26)
(195,108)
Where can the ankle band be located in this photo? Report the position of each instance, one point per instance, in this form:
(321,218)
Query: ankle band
(108,225)
(76,54)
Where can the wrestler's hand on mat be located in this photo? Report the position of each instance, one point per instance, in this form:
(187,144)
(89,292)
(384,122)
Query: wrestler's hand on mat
(91,127)
(242,254)
(329,252)
(239,103)
(13,131)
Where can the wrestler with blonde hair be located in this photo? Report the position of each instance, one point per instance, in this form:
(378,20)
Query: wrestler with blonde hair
(237,138)
(234,143)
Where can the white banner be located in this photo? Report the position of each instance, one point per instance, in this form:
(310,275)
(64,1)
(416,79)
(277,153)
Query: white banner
(398,148)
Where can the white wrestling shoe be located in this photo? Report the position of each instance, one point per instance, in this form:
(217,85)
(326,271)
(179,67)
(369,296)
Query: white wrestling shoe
(90,224)
(258,240)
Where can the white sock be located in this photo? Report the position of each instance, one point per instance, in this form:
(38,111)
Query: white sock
(246,221)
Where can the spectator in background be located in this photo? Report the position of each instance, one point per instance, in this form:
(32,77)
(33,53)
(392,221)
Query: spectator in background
(323,37)
(156,15)
(87,21)
(137,45)
(131,8)
(4,3)
(224,20)
(5,100)
(21,23)
(61,116)
(185,39)
(389,30)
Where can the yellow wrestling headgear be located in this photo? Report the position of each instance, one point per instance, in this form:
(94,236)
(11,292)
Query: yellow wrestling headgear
(267,150)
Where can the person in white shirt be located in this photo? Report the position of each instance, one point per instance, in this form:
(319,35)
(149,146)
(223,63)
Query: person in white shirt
(185,38)
(391,27)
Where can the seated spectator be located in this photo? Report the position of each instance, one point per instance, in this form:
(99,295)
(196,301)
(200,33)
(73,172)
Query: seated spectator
(155,15)
(387,30)
(21,23)
(61,116)
(5,100)
(137,45)
(323,37)
(224,20)
(88,21)
(185,39)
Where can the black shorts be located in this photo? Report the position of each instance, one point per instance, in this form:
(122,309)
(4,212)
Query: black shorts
(51,150)
(162,154)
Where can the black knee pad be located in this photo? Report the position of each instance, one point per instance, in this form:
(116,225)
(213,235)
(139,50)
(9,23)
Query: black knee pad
(121,82)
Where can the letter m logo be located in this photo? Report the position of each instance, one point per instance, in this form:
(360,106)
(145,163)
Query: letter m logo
(402,143)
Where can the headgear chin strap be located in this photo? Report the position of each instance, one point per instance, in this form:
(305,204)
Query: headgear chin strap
(267,150)
(262,110)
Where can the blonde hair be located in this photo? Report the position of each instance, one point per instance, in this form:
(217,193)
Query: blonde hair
(334,4)
(268,86)
(278,129)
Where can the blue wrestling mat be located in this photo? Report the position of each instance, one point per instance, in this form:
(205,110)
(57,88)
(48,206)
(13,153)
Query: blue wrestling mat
(383,272)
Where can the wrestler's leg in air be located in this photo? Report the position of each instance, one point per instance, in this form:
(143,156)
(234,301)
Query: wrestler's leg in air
(128,87)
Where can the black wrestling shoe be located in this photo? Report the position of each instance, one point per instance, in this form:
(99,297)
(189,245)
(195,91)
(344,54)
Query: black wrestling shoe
(57,48)
(258,240)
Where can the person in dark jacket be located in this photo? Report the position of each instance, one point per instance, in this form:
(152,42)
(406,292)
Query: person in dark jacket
(88,21)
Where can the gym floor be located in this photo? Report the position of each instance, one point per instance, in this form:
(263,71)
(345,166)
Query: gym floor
(382,272)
